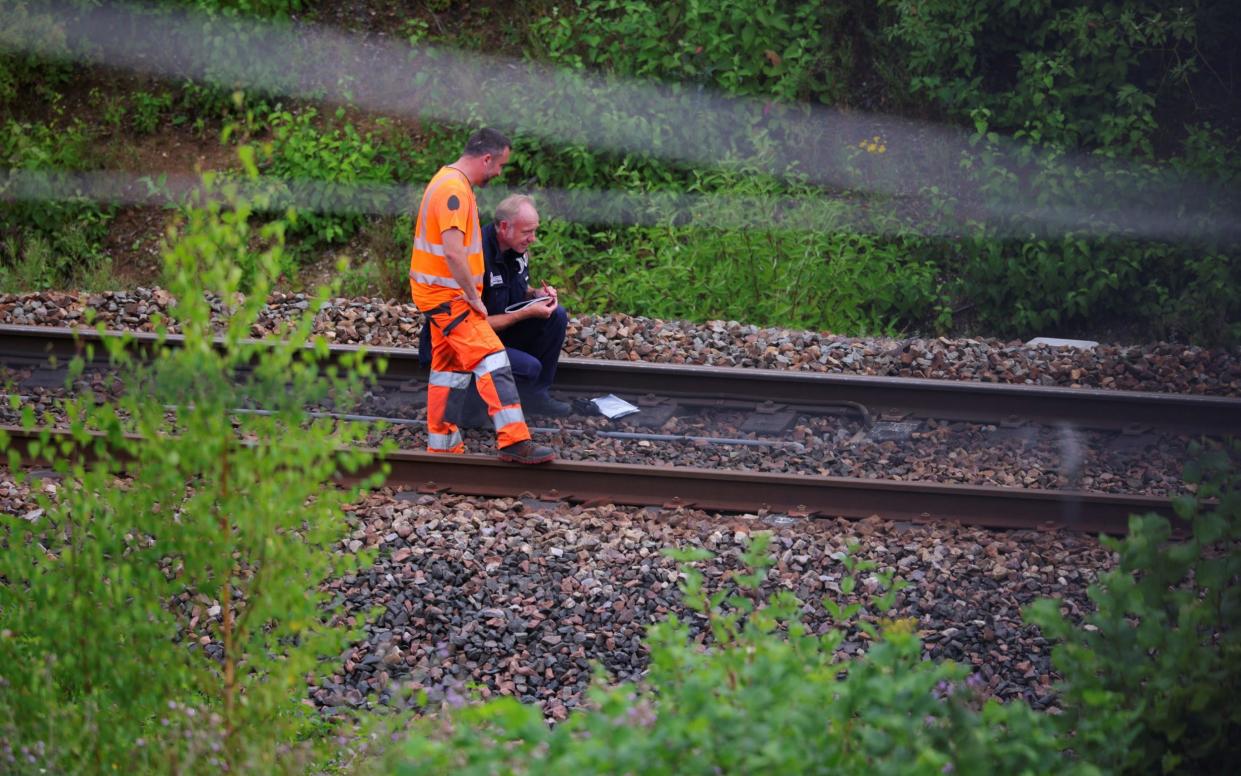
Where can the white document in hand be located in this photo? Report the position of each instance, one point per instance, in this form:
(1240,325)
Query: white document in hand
(523,303)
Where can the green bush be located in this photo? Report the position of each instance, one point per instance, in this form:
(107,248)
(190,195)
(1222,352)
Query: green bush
(770,47)
(237,83)
(1101,77)
(1058,77)
(843,281)
(53,242)
(213,538)
(337,160)
(1150,678)
(1205,306)
(1077,283)
(1066,74)
(382,269)
(774,49)
(140,111)
(751,249)
(1023,277)
(148,108)
(764,697)
(41,76)
(278,9)
(1057,284)
(31,264)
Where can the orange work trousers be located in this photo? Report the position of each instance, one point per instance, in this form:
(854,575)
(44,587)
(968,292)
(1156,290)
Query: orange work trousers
(463,345)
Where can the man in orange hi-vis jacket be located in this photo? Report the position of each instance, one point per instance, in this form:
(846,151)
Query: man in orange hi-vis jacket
(445,278)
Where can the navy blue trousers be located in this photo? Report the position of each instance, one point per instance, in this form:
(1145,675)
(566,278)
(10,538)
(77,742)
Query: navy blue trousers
(533,347)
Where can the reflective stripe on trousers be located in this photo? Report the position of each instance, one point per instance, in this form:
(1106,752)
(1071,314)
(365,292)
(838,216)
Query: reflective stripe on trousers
(505,417)
(445,443)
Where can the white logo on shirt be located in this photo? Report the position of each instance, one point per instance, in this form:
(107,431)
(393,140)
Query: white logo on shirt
(523,261)
(497,280)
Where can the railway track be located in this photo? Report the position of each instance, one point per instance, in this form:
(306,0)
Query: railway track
(773,399)
(782,496)
(775,392)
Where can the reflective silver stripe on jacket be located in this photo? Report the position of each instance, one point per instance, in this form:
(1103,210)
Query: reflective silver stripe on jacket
(490,363)
(436,280)
(450,379)
(421,244)
(444,441)
(505,417)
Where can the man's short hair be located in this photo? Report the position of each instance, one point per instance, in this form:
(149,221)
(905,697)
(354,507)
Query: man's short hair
(511,205)
(487,141)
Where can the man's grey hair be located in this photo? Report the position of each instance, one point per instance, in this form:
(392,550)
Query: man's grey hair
(512,204)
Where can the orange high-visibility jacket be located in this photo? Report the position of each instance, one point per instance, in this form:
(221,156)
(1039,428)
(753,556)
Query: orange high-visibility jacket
(447,203)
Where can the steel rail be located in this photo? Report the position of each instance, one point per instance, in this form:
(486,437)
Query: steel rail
(943,399)
(794,495)
(748,492)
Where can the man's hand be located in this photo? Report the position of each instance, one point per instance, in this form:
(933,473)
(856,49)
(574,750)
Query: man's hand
(540,309)
(477,304)
(547,290)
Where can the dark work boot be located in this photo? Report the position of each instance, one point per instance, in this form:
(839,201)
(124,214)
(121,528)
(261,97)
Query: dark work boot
(527,452)
(547,407)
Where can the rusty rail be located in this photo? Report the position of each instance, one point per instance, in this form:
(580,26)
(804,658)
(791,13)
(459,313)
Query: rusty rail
(943,399)
(755,492)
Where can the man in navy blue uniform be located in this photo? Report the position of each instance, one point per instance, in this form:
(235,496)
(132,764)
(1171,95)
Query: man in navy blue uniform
(533,333)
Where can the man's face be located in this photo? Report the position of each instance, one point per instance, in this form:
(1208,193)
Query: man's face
(520,233)
(494,165)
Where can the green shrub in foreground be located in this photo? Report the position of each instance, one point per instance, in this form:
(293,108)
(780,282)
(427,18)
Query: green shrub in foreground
(214,540)
(1151,680)
(765,697)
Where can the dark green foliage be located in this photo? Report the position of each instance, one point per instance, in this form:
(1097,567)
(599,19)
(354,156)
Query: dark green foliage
(381,268)
(148,109)
(1075,283)
(342,160)
(1069,74)
(1101,77)
(745,256)
(1057,76)
(771,47)
(27,76)
(1021,279)
(48,243)
(277,9)
(1150,679)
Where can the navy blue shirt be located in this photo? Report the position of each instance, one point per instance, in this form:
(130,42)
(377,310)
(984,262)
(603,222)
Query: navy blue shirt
(506,281)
